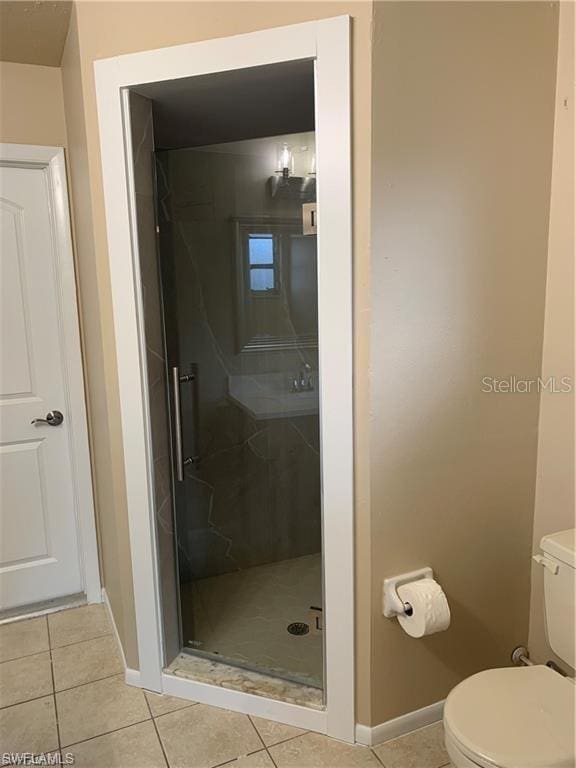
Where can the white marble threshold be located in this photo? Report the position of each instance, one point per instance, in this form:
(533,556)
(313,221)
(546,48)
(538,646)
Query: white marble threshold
(226,676)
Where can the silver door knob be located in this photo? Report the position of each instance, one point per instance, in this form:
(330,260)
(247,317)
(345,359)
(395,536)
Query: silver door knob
(53,419)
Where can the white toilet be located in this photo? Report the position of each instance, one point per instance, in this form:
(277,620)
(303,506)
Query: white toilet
(524,717)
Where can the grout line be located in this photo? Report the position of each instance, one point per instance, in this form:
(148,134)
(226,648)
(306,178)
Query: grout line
(181,709)
(271,758)
(106,733)
(89,682)
(257,732)
(50,647)
(79,642)
(262,740)
(53,685)
(64,690)
(377,756)
(298,736)
(26,701)
(156,728)
(241,757)
(25,656)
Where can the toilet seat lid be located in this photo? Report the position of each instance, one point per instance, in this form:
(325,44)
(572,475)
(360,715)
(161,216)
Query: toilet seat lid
(514,718)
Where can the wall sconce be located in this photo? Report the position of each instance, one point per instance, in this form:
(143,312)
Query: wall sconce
(285,185)
(312,171)
(285,161)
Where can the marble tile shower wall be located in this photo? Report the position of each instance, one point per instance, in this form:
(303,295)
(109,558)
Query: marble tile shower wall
(254,498)
(143,149)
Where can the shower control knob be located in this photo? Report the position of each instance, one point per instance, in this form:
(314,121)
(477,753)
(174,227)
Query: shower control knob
(53,419)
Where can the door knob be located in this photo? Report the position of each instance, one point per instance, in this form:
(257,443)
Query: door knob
(53,419)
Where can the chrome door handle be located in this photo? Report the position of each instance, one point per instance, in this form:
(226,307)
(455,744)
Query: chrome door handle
(181,462)
(53,419)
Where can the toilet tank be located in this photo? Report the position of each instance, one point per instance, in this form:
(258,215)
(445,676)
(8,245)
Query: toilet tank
(559,561)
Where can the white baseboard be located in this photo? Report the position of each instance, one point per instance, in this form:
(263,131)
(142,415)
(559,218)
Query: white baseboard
(132,676)
(399,726)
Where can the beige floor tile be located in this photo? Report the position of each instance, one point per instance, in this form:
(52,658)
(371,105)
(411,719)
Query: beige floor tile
(23,638)
(203,736)
(77,624)
(161,704)
(29,727)
(24,679)
(133,747)
(316,751)
(420,749)
(257,760)
(96,708)
(84,662)
(272,732)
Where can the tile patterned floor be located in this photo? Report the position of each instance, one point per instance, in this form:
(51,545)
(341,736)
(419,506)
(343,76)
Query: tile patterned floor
(62,690)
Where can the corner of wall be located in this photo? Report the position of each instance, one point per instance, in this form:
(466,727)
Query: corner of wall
(362,140)
(554,498)
(110,497)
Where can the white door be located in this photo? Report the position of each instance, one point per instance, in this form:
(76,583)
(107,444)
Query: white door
(39,536)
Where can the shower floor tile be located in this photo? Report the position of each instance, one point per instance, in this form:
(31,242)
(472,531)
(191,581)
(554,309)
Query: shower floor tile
(243,617)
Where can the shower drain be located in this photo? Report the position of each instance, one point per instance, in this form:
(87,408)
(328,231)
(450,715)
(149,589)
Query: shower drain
(298,628)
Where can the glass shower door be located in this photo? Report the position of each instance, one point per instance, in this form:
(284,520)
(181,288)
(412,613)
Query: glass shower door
(237,249)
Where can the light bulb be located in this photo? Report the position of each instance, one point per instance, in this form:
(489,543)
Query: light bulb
(285,161)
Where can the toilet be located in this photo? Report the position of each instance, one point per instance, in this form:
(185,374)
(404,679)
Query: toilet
(524,717)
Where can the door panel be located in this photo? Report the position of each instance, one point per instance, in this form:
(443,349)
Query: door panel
(21,472)
(14,367)
(39,556)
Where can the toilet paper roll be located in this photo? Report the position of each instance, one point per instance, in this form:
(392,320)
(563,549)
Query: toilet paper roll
(430,610)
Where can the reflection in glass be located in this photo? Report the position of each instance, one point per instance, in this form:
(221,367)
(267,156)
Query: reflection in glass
(239,281)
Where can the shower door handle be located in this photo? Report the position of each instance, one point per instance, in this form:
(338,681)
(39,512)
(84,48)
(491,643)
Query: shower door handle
(181,462)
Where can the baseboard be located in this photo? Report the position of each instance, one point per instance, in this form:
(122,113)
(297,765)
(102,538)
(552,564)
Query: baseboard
(132,676)
(399,726)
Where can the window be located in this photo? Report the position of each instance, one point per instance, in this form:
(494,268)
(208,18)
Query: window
(262,259)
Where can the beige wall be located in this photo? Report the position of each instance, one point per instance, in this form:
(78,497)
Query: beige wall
(31,105)
(462,136)
(106,459)
(101,30)
(461,157)
(555,477)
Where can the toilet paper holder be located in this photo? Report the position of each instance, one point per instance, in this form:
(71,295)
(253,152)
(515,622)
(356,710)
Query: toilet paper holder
(392,603)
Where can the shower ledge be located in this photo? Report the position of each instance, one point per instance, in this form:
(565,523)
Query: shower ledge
(269,396)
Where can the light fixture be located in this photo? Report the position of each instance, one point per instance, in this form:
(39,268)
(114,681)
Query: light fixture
(285,161)
(312,171)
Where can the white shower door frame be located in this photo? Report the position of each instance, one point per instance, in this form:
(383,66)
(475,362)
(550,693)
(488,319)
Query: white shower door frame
(327,43)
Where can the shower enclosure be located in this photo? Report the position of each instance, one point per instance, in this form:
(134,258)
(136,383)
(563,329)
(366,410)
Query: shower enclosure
(231,309)
(239,289)
(233,329)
